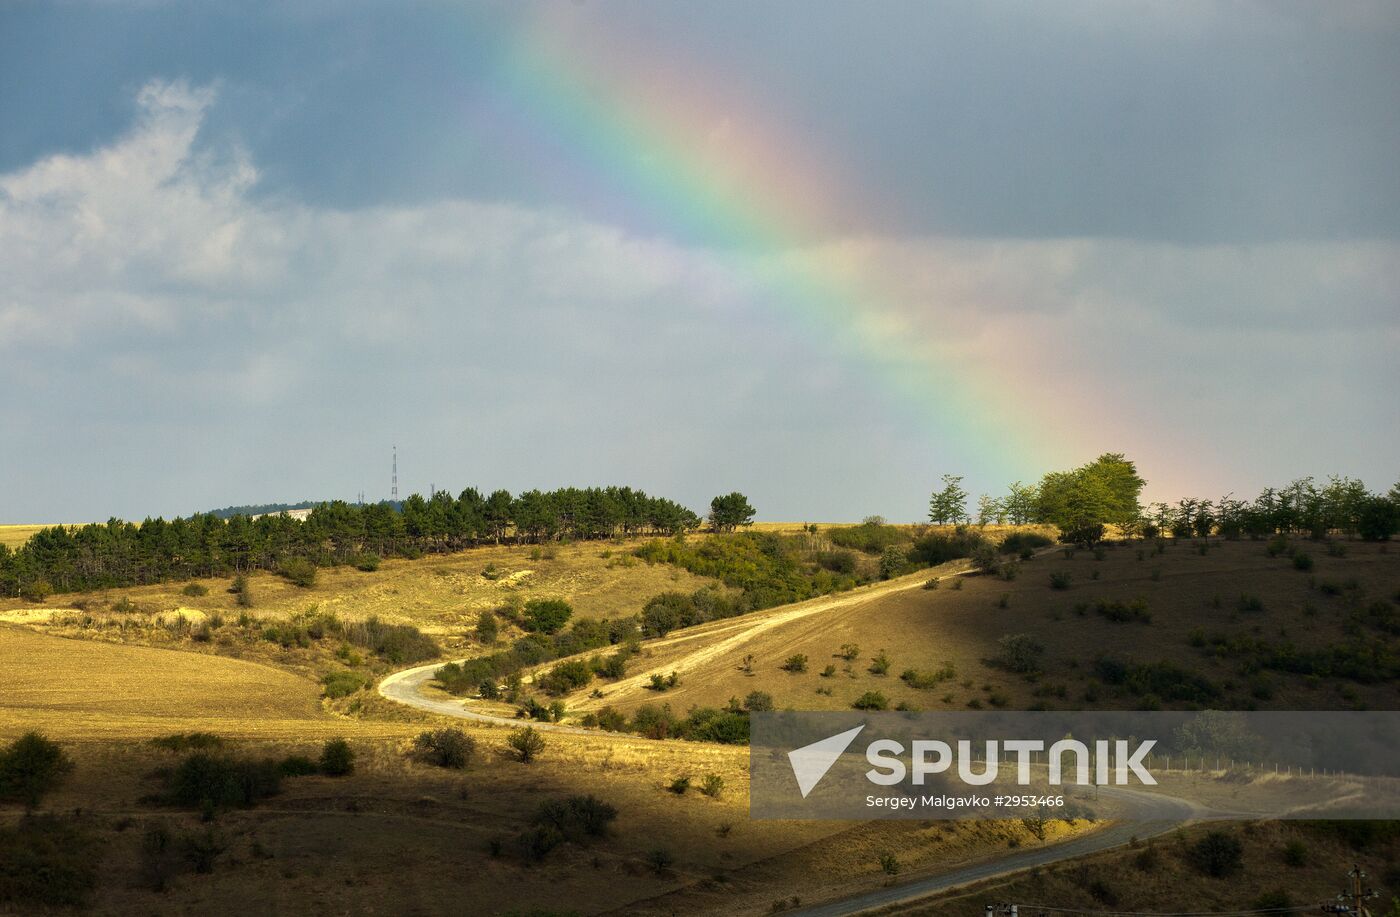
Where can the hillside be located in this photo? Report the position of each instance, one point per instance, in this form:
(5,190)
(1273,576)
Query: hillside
(1226,626)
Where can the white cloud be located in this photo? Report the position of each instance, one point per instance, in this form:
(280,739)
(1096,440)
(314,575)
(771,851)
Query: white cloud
(157,255)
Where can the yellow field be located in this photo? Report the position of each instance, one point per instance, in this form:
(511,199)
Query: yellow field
(86,690)
(13,536)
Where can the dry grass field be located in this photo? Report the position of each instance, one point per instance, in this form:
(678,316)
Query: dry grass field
(1284,864)
(12,536)
(958,625)
(404,838)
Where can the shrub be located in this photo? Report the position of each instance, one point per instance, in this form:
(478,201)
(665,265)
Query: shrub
(337,758)
(526,743)
(712,786)
(299,571)
(843,562)
(194,590)
(296,766)
(1122,612)
(1060,579)
(889,864)
(367,563)
(210,782)
(1019,542)
(1249,602)
(871,700)
(449,747)
(576,818)
(342,683)
(880,664)
(829,671)
(566,677)
(679,785)
(870,537)
(916,679)
(795,663)
(47,862)
(546,616)
(1217,854)
(37,591)
(1302,561)
(850,651)
(893,562)
(758,701)
(397,643)
(30,767)
(188,741)
(1295,853)
(486,628)
(1019,653)
(985,557)
(660,860)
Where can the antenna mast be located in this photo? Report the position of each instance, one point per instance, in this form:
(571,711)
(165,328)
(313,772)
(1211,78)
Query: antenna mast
(394,481)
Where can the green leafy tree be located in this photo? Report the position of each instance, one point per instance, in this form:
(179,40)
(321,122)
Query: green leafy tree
(730,512)
(30,767)
(949,505)
(1019,504)
(546,616)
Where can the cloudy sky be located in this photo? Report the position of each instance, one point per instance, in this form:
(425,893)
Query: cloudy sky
(822,253)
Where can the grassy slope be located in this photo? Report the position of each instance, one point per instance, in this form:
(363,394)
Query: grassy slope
(13,536)
(923,629)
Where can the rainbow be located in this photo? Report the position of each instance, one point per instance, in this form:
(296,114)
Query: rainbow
(647,130)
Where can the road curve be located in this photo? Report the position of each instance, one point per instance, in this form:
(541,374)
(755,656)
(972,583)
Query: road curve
(1163,814)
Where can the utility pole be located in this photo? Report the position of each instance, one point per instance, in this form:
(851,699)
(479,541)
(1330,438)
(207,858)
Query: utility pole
(394,480)
(1351,900)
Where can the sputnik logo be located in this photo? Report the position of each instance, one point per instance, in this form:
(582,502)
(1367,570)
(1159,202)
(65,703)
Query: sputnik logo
(811,762)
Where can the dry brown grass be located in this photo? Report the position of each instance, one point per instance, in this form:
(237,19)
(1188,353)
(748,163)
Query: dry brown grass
(926,629)
(1158,876)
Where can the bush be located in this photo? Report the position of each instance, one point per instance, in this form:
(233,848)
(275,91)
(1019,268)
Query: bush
(449,747)
(795,663)
(871,700)
(1248,602)
(758,701)
(660,860)
(576,818)
(1019,653)
(526,743)
(342,683)
(566,677)
(188,741)
(880,664)
(843,562)
(30,767)
(194,590)
(712,786)
(1295,854)
(299,571)
(985,557)
(925,680)
(1020,542)
(870,537)
(1217,854)
(367,563)
(546,616)
(296,766)
(47,862)
(1302,561)
(337,758)
(850,651)
(397,643)
(1122,612)
(37,591)
(1060,579)
(486,628)
(211,782)
(679,785)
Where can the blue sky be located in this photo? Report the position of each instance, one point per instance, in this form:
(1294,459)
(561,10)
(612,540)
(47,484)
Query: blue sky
(246,248)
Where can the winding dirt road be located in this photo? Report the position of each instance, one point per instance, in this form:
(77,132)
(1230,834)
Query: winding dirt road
(717,638)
